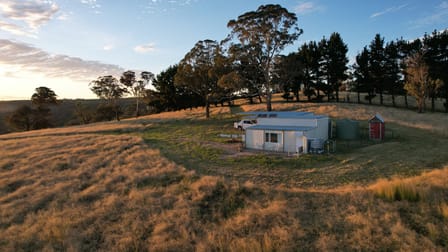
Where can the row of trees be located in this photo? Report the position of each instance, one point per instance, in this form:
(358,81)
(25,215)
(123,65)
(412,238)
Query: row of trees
(111,89)
(389,68)
(248,63)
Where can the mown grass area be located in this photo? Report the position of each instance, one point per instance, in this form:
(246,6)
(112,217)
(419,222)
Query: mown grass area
(196,145)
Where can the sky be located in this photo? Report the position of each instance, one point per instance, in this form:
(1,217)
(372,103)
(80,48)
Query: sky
(65,44)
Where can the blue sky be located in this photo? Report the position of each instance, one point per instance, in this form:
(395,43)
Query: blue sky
(65,44)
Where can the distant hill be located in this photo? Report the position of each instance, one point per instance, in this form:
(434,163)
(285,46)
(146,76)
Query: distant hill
(62,114)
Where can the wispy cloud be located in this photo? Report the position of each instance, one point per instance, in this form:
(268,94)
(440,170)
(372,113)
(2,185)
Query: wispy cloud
(92,4)
(146,48)
(26,16)
(388,10)
(33,59)
(154,6)
(14,29)
(307,8)
(439,15)
(108,47)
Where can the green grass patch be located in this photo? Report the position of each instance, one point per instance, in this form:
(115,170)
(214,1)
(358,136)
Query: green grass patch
(196,145)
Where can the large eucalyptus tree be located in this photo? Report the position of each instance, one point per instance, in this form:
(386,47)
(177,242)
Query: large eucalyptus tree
(265,33)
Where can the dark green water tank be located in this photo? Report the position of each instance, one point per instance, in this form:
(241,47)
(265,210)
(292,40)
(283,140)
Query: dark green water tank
(347,129)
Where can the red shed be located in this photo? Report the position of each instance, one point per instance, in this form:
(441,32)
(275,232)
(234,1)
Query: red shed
(377,128)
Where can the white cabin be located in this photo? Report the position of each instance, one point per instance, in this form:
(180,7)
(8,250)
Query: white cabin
(292,132)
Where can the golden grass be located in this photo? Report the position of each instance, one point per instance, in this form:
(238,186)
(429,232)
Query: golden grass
(62,190)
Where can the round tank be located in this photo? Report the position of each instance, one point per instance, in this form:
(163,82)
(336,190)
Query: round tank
(347,129)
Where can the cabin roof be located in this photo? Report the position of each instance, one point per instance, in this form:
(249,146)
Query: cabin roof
(282,114)
(280,128)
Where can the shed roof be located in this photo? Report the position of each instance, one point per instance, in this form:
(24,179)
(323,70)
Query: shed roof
(377,117)
(279,128)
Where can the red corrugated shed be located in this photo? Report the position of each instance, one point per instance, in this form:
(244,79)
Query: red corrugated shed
(377,128)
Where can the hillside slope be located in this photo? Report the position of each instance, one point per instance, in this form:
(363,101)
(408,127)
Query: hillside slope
(102,187)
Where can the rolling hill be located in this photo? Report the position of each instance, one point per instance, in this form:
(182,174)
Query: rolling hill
(167,182)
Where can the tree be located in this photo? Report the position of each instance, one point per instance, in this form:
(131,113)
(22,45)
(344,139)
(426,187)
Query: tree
(22,118)
(194,71)
(136,87)
(436,57)
(265,33)
(377,65)
(248,71)
(418,82)
(110,89)
(336,63)
(362,75)
(289,72)
(309,55)
(405,50)
(167,94)
(43,97)
(392,73)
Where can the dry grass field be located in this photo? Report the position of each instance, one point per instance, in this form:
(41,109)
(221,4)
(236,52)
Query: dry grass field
(167,183)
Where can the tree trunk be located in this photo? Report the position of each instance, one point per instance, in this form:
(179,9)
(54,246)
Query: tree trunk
(137,110)
(420,105)
(393,100)
(296,94)
(207,108)
(268,100)
(433,103)
(337,94)
(381,97)
(359,97)
(406,100)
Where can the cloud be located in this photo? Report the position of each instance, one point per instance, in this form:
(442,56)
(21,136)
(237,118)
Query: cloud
(29,58)
(14,29)
(388,10)
(154,6)
(108,47)
(439,15)
(32,12)
(307,8)
(91,3)
(147,48)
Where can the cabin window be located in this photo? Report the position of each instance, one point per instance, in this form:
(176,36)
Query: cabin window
(271,138)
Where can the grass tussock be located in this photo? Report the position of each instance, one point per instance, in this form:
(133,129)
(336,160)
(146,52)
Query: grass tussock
(397,191)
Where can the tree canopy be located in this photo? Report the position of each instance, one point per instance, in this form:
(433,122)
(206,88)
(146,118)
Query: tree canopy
(265,33)
(195,71)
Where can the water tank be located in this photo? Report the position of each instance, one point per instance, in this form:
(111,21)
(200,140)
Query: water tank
(316,145)
(347,129)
